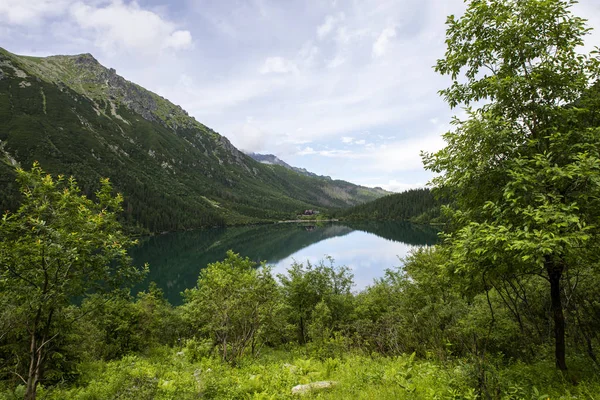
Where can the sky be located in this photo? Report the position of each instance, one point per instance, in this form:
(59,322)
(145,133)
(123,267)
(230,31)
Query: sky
(344,88)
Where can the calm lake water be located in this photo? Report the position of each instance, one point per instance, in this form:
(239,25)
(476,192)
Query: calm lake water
(368,249)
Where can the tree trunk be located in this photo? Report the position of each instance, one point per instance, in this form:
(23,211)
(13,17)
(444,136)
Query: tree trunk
(224,343)
(34,369)
(555,271)
(301,335)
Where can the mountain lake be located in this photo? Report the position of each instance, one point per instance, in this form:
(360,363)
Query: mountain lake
(367,248)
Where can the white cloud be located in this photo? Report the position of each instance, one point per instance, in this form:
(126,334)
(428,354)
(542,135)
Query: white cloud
(327,26)
(336,61)
(122,26)
(403,155)
(335,153)
(31,12)
(278,65)
(306,151)
(394,185)
(308,54)
(345,35)
(393,157)
(381,44)
(350,140)
(209,101)
(179,40)
(253,138)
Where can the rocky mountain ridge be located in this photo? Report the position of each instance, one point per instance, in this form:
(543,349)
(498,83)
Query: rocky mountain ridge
(77,117)
(86,76)
(271,159)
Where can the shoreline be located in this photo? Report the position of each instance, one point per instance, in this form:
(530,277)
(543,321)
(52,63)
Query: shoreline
(306,220)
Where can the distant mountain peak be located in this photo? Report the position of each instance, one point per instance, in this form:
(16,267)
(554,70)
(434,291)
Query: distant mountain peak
(84,74)
(271,159)
(84,58)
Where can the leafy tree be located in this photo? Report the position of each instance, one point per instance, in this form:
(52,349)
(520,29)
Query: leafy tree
(305,286)
(414,308)
(523,173)
(234,304)
(320,327)
(111,327)
(58,246)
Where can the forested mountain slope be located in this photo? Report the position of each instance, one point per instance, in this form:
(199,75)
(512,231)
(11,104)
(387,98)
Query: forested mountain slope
(79,118)
(408,205)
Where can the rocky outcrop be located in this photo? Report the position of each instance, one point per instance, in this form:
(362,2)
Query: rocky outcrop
(116,88)
(311,387)
(85,75)
(235,156)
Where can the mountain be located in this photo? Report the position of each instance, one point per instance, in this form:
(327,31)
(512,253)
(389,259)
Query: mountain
(418,205)
(78,118)
(271,159)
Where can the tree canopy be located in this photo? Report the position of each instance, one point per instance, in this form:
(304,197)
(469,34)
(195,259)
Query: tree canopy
(57,247)
(522,170)
(232,304)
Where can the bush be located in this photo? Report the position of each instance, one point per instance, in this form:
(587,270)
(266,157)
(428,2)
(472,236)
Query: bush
(234,304)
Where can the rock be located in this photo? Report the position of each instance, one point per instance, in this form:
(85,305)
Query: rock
(85,59)
(309,387)
(234,155)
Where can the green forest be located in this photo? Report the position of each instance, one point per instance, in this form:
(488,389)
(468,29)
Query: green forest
(416,205)
(507,306)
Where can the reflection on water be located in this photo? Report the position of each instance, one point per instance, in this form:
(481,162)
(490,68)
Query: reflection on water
(367,248)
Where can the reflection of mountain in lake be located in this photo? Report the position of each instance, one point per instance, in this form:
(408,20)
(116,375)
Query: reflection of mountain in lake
(176,259)
(405,232)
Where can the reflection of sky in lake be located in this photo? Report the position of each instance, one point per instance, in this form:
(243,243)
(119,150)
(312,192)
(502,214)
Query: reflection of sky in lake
(367,255)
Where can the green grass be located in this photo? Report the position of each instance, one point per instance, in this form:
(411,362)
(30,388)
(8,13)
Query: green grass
(186,374)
